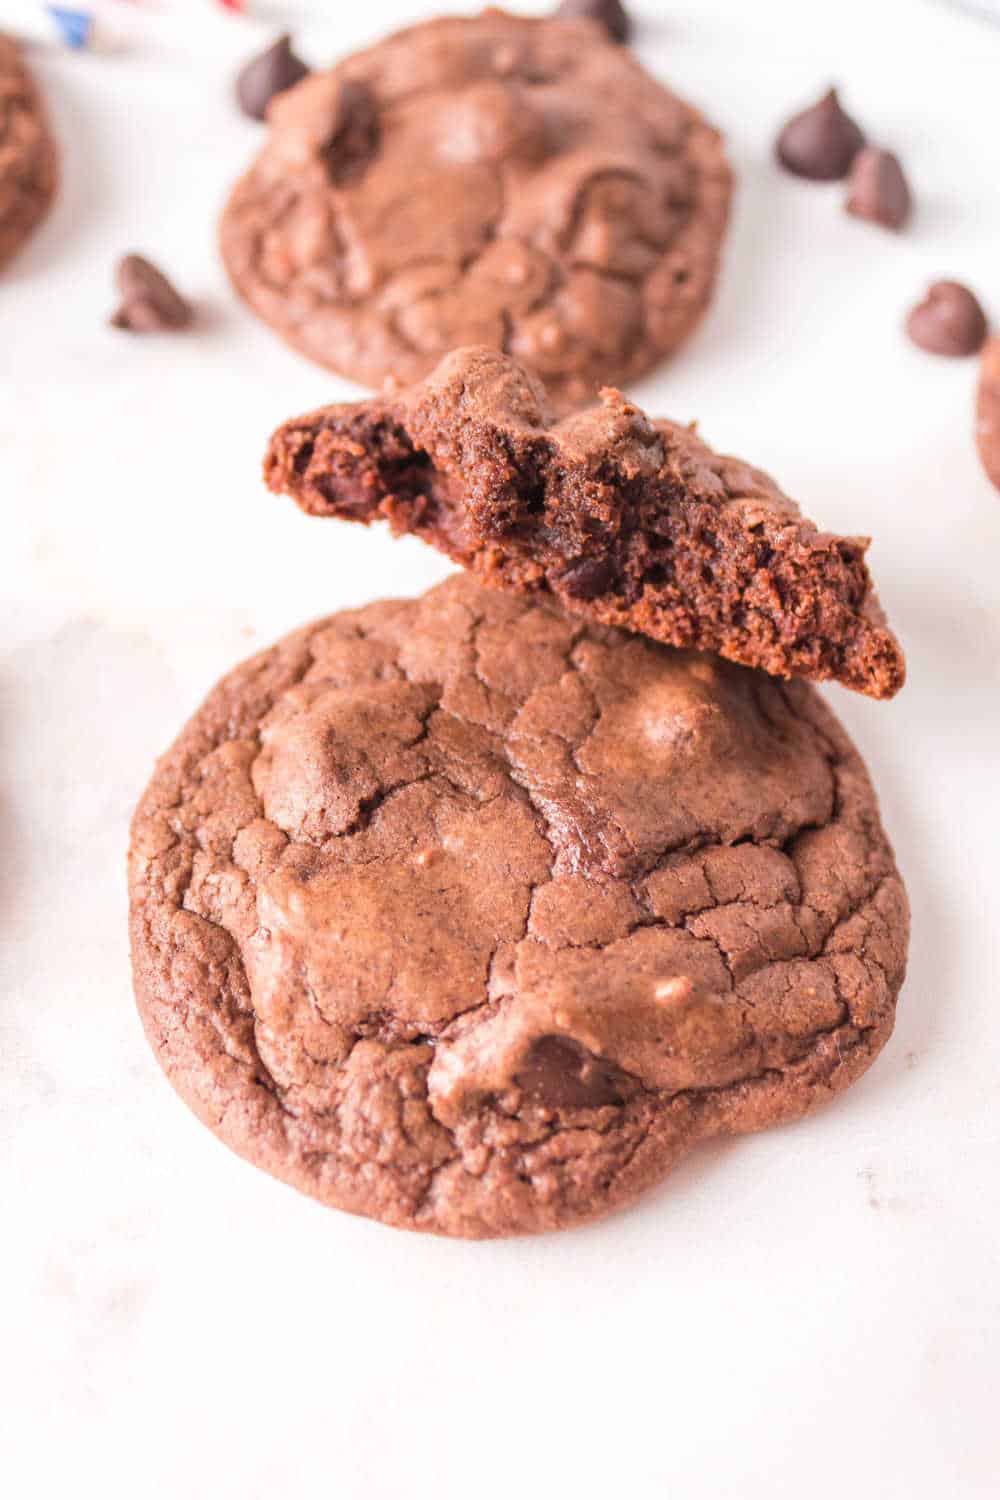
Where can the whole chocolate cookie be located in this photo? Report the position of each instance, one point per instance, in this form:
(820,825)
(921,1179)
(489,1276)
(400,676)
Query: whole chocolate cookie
(493,179)
(473,917)
(28,163)
(628,521)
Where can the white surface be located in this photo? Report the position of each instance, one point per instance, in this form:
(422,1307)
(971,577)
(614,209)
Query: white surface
(812,1312)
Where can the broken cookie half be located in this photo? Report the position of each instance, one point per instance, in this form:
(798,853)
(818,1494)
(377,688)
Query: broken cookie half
(627,521)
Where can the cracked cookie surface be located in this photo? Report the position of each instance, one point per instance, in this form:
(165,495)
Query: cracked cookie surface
(474,918)
(28,164)
(494,179)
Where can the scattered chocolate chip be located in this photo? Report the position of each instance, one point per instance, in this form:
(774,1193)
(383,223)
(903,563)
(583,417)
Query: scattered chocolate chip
(988,410)
(355,136)
(587,579)
(268,74)
(877,188)
(611,13)
(150,304)
(563,1075)
(948,321)
(821,142)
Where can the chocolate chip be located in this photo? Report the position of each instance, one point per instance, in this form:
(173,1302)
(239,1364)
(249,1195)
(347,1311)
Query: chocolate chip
(988,410)
(150,304)
(587,579)
(355,136)
(821,142)
(948,321)
(877,189)
(611,13)
(563,1075)
(268,74)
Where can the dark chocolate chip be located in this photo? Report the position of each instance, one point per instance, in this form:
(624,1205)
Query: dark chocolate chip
(611,13)
(355,137)
(988,410)
(821,142)
(268,74)
(149,303)
(563,1075)
(877,189)
(587,579)
(949,320)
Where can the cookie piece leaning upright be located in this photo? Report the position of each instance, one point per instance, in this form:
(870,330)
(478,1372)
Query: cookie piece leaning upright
(476,918)
(28,161)
(628,521)
(492,179)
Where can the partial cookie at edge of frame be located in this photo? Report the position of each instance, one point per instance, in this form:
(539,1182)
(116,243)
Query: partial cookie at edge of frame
(28,159)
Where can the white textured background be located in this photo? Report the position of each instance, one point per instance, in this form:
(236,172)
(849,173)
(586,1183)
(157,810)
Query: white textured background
(813,1312)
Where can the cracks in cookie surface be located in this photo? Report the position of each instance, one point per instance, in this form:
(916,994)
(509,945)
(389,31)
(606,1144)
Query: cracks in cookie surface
(511,1139)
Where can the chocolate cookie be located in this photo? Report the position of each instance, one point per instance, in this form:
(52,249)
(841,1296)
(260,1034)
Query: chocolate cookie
(493,179)
(988,410)
(629,522)
(473,917)
(28,163)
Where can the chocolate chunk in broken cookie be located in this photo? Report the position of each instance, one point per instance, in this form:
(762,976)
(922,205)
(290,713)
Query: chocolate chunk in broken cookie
(628,521)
